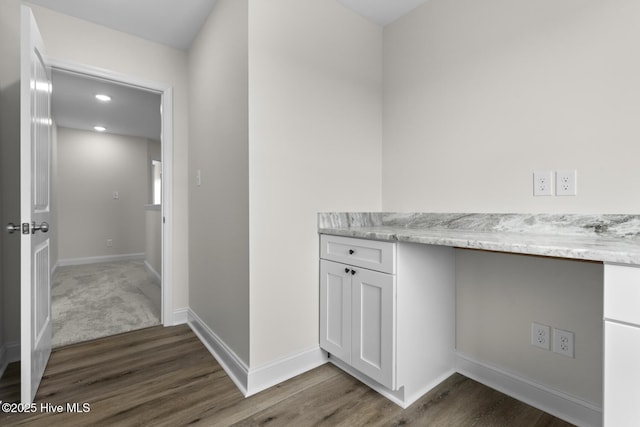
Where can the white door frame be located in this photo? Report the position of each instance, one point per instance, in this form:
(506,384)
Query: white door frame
(166,91)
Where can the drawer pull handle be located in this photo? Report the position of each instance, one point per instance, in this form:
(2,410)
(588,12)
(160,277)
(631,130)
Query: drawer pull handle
(353,272)
(346,270)
(351,252)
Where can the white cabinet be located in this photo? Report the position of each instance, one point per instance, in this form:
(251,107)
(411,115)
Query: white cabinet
(335,309)
(621,345)
(357,306)
(374,325)
(376,301)
(621,375)
(370,254)
(357,319)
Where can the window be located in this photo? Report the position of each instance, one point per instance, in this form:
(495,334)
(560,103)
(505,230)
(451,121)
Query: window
(156,174)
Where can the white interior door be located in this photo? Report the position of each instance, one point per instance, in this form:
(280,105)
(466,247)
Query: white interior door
(35,212)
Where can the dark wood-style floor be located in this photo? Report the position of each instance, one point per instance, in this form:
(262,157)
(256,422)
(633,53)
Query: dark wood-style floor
(165,376)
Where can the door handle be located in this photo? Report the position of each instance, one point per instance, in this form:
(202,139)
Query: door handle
(44,227)
(12,228)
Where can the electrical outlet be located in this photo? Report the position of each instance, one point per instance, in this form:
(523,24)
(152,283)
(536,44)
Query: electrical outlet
(563,342)
(109,243)
(540,335)
(543,183)
(566,183)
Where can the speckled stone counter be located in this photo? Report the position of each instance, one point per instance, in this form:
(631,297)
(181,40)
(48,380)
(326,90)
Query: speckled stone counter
(606,238)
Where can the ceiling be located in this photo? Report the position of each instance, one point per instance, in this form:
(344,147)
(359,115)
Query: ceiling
(131,111)
(173,23)
(169,22)
(382,12)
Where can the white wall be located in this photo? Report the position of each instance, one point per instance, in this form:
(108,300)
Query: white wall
(315,133)
(91,167)
(71,39)
(219,208)
(314,123)
(9,170)
(477,96)
(499,295)
(480,94)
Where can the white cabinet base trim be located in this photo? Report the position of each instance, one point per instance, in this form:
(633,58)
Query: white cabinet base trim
(252,381)
(399,397)
(556,403)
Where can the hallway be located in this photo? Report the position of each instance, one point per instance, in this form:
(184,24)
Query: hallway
(97,300)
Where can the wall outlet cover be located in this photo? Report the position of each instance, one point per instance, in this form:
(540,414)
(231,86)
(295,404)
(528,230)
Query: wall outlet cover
(543,183)
(563,342)
(566,182)
(540,335)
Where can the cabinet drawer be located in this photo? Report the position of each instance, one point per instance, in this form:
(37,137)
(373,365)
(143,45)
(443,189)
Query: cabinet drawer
(622,293)
(621,375)
(371,254)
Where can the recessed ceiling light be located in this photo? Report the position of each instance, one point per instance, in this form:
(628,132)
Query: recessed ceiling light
(100,128)
(102,97)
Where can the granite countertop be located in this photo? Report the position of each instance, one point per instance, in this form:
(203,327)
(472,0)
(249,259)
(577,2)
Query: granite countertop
(605,238)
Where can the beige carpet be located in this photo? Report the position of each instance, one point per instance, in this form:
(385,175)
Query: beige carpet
(98,300)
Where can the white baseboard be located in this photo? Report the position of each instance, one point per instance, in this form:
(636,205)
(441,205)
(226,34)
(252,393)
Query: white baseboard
(157,279)
(252,381)
(98,259)
(9,353)
(180,317)
(556,403)
(286,368)
(230,362)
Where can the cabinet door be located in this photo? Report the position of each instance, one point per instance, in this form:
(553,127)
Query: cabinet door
(622,293)
(374,325)
(335,309)
(621,375)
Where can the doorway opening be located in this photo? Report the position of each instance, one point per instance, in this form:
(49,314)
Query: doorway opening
(112,195)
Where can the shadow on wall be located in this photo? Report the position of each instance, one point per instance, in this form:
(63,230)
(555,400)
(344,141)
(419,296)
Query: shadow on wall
(9,212)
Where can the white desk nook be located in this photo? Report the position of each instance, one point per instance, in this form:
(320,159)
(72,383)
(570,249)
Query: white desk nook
(385,277)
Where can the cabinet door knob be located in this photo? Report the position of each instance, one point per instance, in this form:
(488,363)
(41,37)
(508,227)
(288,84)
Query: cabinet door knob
(346,270)
(353,272)
(351,252)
